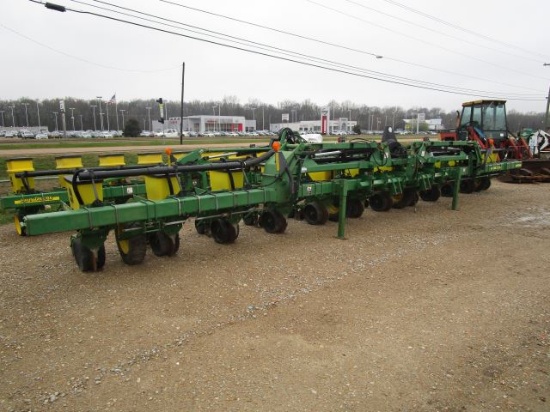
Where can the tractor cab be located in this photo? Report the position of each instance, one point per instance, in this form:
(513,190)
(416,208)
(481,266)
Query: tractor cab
(487,117)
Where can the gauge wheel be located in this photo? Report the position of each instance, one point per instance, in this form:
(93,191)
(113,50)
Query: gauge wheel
(315,213)
(403,199)
(380,202)
(354,208)
(430,195)
(85,258)
(132,250)
(273,221)
(163,244)
(223,231)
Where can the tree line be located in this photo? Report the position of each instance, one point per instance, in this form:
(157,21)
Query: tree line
(85,114)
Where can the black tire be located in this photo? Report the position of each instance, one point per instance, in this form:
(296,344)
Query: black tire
(163,244)
(18,218)
(447,190)
(223,231)
(273,221)
(354,208)
(85,258)
(250,219)
(19,228)
(431,195)
(380,202)
(201,226)
(484,184)
(467,186)
(132,250)
(403,199)
(315,213)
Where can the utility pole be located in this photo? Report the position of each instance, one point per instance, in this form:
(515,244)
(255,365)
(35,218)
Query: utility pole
(181,113)
(81,123)
(546,125)
(2,113)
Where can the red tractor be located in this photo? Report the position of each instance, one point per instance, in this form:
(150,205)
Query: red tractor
(484,121)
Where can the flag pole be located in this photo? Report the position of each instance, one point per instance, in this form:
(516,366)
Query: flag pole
(116,110)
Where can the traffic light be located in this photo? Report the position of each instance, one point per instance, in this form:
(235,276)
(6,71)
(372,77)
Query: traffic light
(161,110)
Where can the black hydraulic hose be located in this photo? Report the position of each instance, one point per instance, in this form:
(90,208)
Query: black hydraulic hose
(85,175)
(56,172)
(74,183)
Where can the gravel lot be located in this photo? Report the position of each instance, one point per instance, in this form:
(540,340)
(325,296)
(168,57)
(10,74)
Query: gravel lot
(417,310)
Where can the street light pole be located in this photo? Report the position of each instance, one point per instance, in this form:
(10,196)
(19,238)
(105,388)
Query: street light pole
(107,113)
(253,116)
(2,113)
(93,106)
(38,114)
(81,123)
(149,116)
(26,113)
(12,116)
(122,112)
(56,127)
(214,114)
(100,113)
(72,116)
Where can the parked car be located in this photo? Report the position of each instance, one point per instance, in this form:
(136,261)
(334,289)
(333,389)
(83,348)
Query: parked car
(41,135)
(146,133)
(106,135)
(170,133)
(26,134)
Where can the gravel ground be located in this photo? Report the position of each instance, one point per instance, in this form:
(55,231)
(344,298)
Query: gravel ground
(417,310)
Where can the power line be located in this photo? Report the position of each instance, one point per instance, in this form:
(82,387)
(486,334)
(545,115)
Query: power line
(457,27)
(80,58)
(417,84)
(409,36)
(263,46)
(339,46)
(307,57)
(439,32)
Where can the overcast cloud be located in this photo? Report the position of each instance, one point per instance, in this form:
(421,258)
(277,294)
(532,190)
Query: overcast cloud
(492,48)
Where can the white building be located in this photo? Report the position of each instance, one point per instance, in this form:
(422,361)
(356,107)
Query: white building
(207,123)
(433,124)
(314,126)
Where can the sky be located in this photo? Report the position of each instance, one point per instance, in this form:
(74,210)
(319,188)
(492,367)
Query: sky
(385,53)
